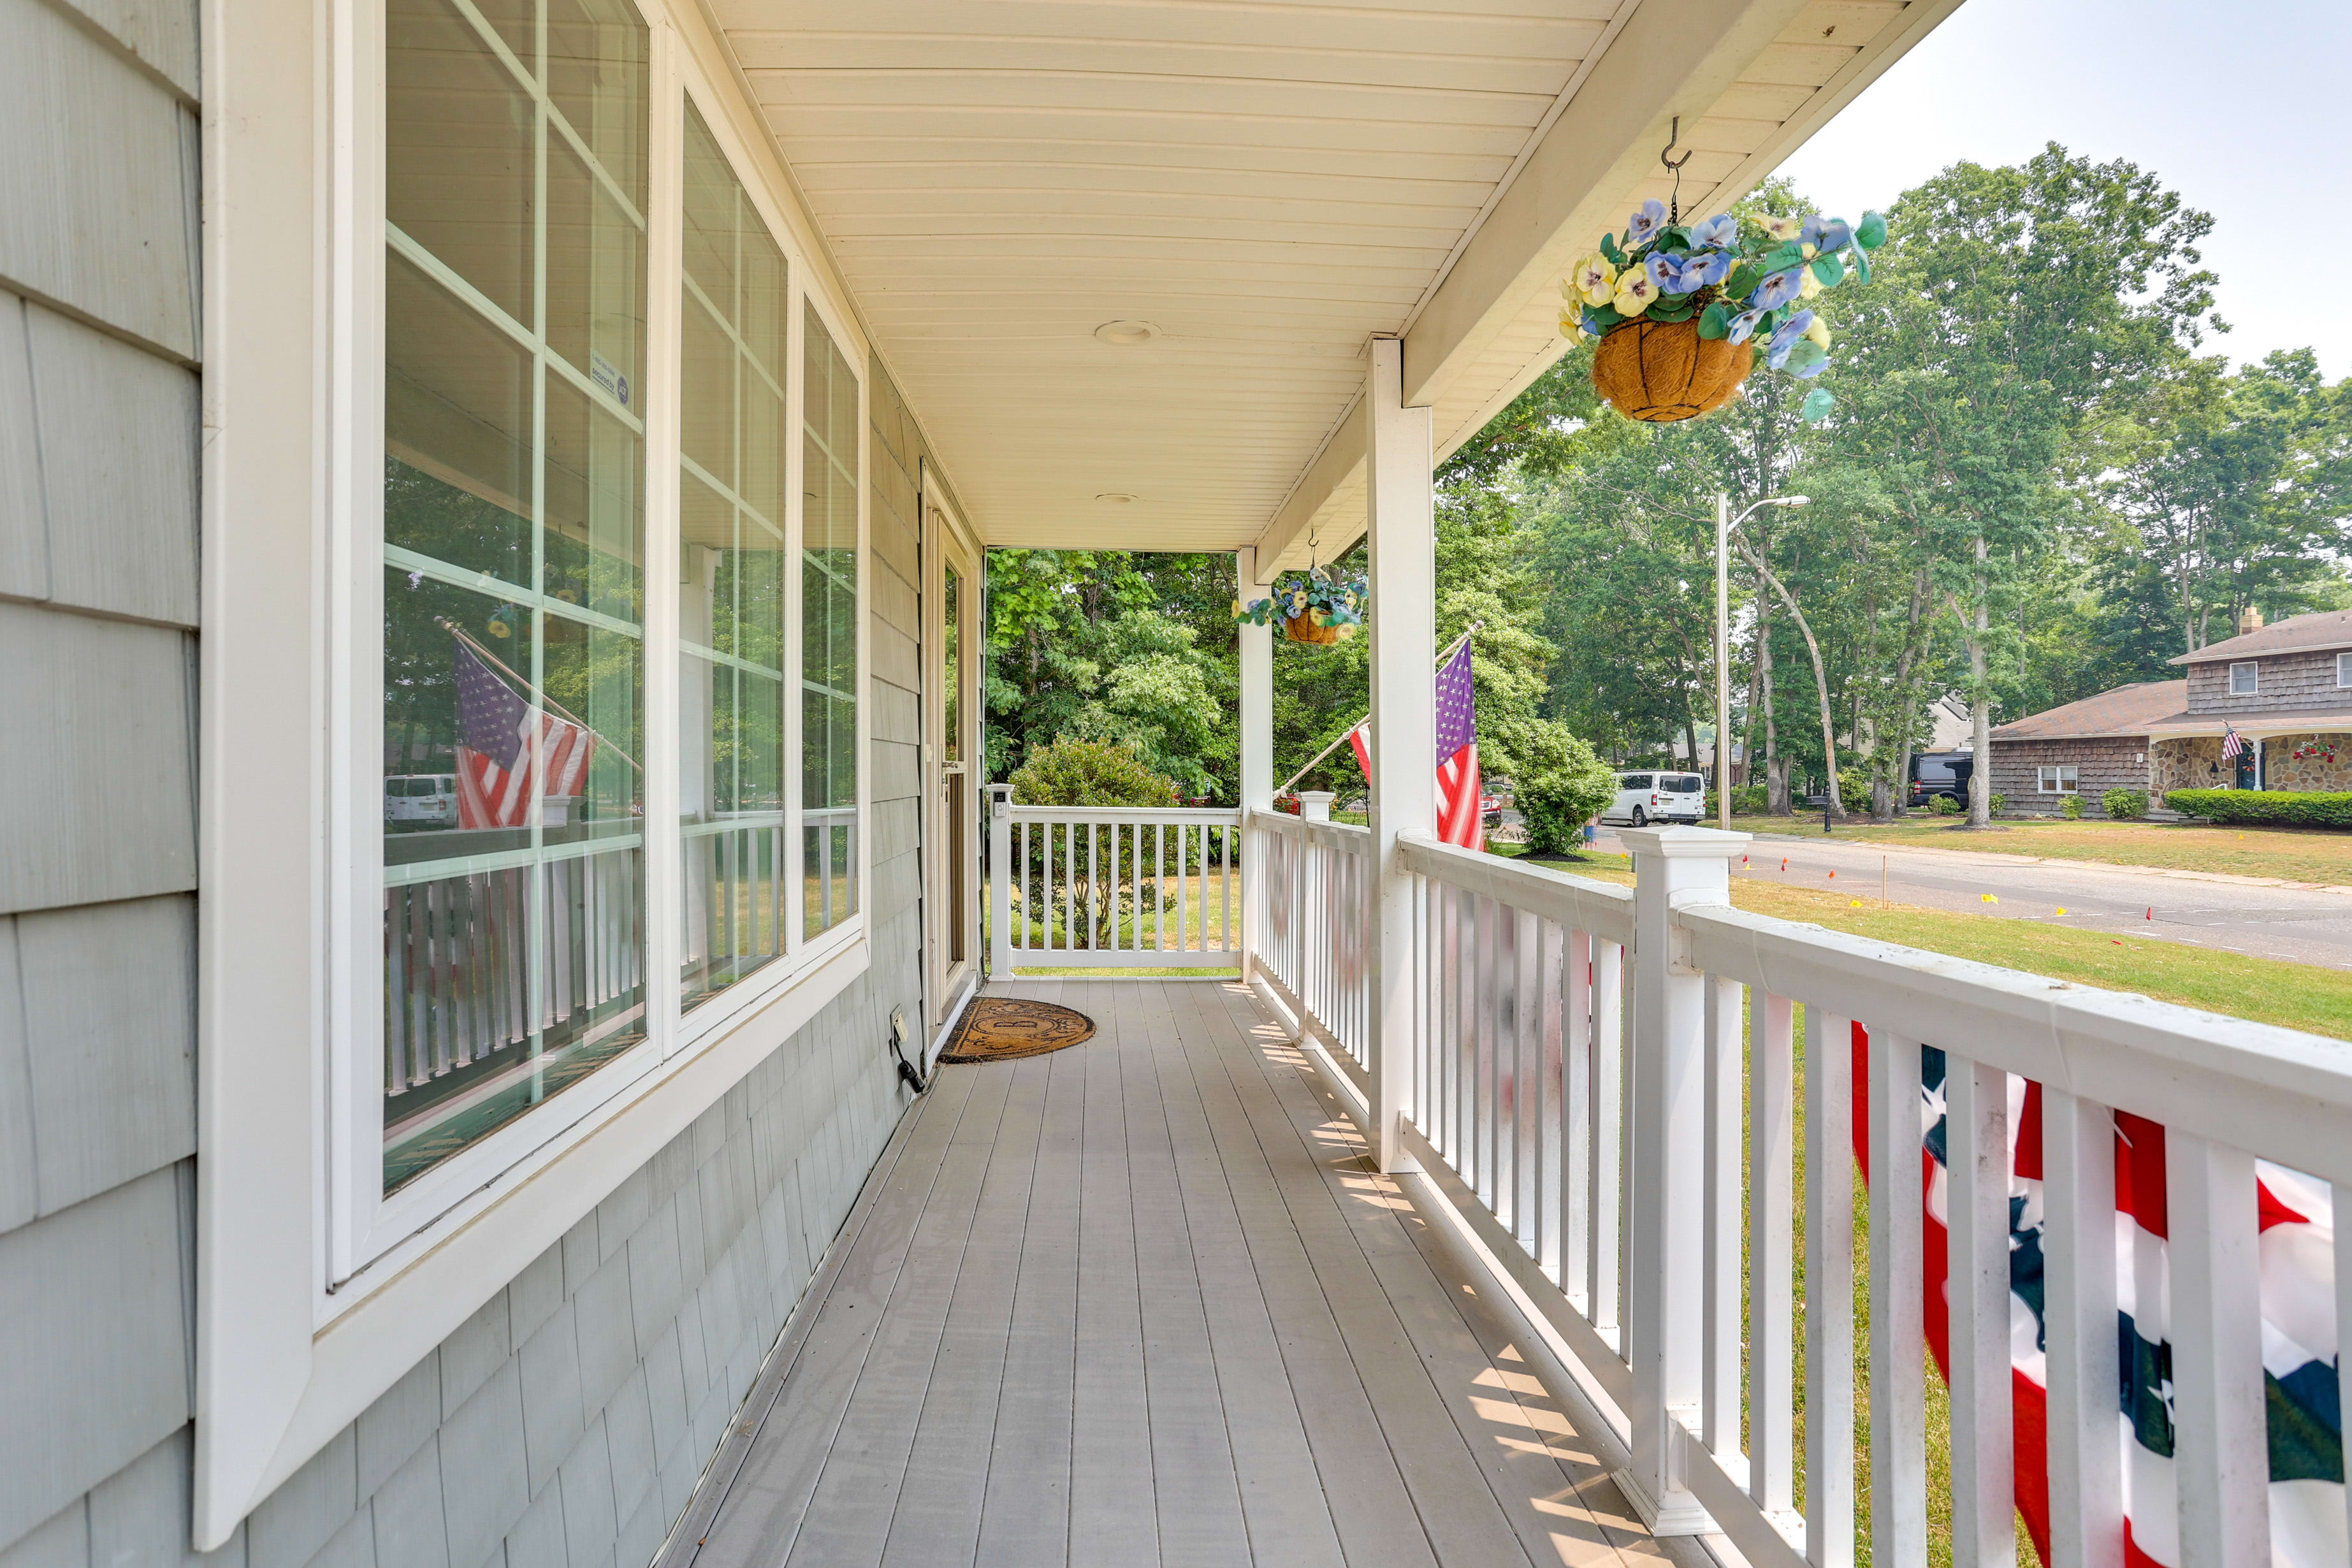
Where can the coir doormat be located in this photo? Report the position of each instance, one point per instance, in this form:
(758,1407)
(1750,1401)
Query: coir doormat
(1002,1028)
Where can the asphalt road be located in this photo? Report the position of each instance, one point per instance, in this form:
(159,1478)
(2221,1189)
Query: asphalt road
(2236,914)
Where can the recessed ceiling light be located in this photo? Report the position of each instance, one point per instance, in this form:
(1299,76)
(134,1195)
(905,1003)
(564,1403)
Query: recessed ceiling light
(1126,335)
(1117,498)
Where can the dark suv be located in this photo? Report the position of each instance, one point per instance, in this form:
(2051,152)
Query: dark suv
(1940,772)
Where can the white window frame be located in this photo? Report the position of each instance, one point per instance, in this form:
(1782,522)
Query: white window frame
(2058,778)
(2254,668)
(313,1292)
(2343,669)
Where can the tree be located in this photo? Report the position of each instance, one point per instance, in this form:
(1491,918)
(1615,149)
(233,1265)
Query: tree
(2013,312)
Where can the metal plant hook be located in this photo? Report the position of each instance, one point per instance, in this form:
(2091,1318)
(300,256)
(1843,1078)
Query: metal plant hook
(1674,165)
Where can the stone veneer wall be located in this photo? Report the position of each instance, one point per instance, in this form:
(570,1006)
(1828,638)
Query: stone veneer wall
(2281,771)
(2189,763)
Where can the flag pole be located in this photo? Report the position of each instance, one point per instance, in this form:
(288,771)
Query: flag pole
(455,630)
(1451,649)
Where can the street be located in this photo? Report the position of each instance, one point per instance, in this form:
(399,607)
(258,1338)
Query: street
(2302,926)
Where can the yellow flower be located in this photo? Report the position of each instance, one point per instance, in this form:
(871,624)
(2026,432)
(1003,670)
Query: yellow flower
(1571,326)
(1782,227)
(1594,280)
(1635,293)
(1819,331)
(1807,284)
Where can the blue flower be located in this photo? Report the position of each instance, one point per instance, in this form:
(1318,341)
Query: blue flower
(1743,325)
(1825,234)
(1785,337)
(1702,268)
(1643,225)
(1776,290)
(1719,232)
(1591,324)
(1664,275)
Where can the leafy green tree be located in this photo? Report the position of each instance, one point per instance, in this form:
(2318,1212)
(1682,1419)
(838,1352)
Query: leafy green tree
(2013,312)
(1562,785)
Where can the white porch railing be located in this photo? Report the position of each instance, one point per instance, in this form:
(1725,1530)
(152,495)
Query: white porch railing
(1316,923)
(1112,888)
(1603,1083)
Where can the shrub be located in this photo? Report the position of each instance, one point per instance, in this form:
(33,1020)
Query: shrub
(1089,773)
(1749,800)
(1854,790)
(2125,805)
(2071,808)
(1999,803)
(1561,784)
(2274,807)
(1943,805)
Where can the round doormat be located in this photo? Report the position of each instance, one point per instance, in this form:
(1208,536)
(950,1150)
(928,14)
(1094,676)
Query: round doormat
(1001,1028)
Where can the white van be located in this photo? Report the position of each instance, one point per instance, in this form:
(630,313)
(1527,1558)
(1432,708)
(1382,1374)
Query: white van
(1645,798)
(421,797)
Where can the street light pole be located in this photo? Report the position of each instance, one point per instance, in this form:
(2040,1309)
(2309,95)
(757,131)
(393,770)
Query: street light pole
(1722,660)
(1724,526)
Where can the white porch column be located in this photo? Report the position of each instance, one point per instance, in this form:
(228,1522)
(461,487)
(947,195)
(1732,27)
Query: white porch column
(1401,530)
(1257,754)
(1665,1298)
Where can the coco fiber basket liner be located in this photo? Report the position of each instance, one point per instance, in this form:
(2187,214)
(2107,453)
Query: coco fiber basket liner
(1661,372)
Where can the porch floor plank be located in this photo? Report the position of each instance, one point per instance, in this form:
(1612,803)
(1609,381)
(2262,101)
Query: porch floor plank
(1142,1301)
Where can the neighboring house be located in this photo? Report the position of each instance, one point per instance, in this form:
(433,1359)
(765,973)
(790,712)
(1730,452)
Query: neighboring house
(2285,690)
(2082,750)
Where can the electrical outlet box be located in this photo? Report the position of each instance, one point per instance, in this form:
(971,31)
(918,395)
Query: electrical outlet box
(897,1026)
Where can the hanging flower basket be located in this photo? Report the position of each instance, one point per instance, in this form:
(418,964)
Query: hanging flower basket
(1317,605)
(1661,372)
(1681,309)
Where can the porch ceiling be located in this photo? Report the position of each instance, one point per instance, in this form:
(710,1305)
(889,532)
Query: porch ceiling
(1269,184)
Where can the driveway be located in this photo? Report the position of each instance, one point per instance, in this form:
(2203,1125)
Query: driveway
(2236,914)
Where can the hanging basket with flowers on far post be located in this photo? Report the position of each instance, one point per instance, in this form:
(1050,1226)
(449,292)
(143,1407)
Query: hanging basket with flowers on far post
(1681,311)
(1317,605)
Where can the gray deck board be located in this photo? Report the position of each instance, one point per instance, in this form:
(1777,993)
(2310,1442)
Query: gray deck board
(1142,1301)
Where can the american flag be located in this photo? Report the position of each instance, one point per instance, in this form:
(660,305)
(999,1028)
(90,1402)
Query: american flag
(1459,820)
(2300,1339)
(2232,743)
(495,750)
(1458,784)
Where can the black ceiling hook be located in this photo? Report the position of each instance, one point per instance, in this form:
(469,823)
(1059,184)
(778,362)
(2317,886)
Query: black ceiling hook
(1675,205)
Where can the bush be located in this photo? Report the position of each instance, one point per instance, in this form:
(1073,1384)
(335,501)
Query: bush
(1089,773)
(2125,805)
(2283,809)
(1854,790)
(1943,805)
(1749,800)
(1998,803)
(2071,808)
(1561,784)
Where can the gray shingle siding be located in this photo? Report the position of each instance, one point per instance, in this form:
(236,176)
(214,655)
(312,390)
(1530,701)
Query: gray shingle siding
(2286,682)
(565,1423)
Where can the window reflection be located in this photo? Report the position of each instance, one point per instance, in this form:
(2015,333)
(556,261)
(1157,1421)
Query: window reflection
(828,631)
(731,580)
(514,524)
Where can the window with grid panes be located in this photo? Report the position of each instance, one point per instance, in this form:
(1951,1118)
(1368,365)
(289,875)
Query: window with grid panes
(513,660)
(733,580)
(828,630)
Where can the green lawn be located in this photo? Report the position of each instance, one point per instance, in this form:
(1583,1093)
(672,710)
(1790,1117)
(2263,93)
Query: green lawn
(2296,995)
(2292,854)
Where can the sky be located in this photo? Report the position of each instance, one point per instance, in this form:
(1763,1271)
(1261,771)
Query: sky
(2244,108)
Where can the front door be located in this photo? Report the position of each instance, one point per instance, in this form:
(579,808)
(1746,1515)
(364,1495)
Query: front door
(2249,770)
(952,649)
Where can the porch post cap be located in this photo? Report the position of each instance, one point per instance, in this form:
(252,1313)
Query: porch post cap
(1318,795)
(1684,843)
